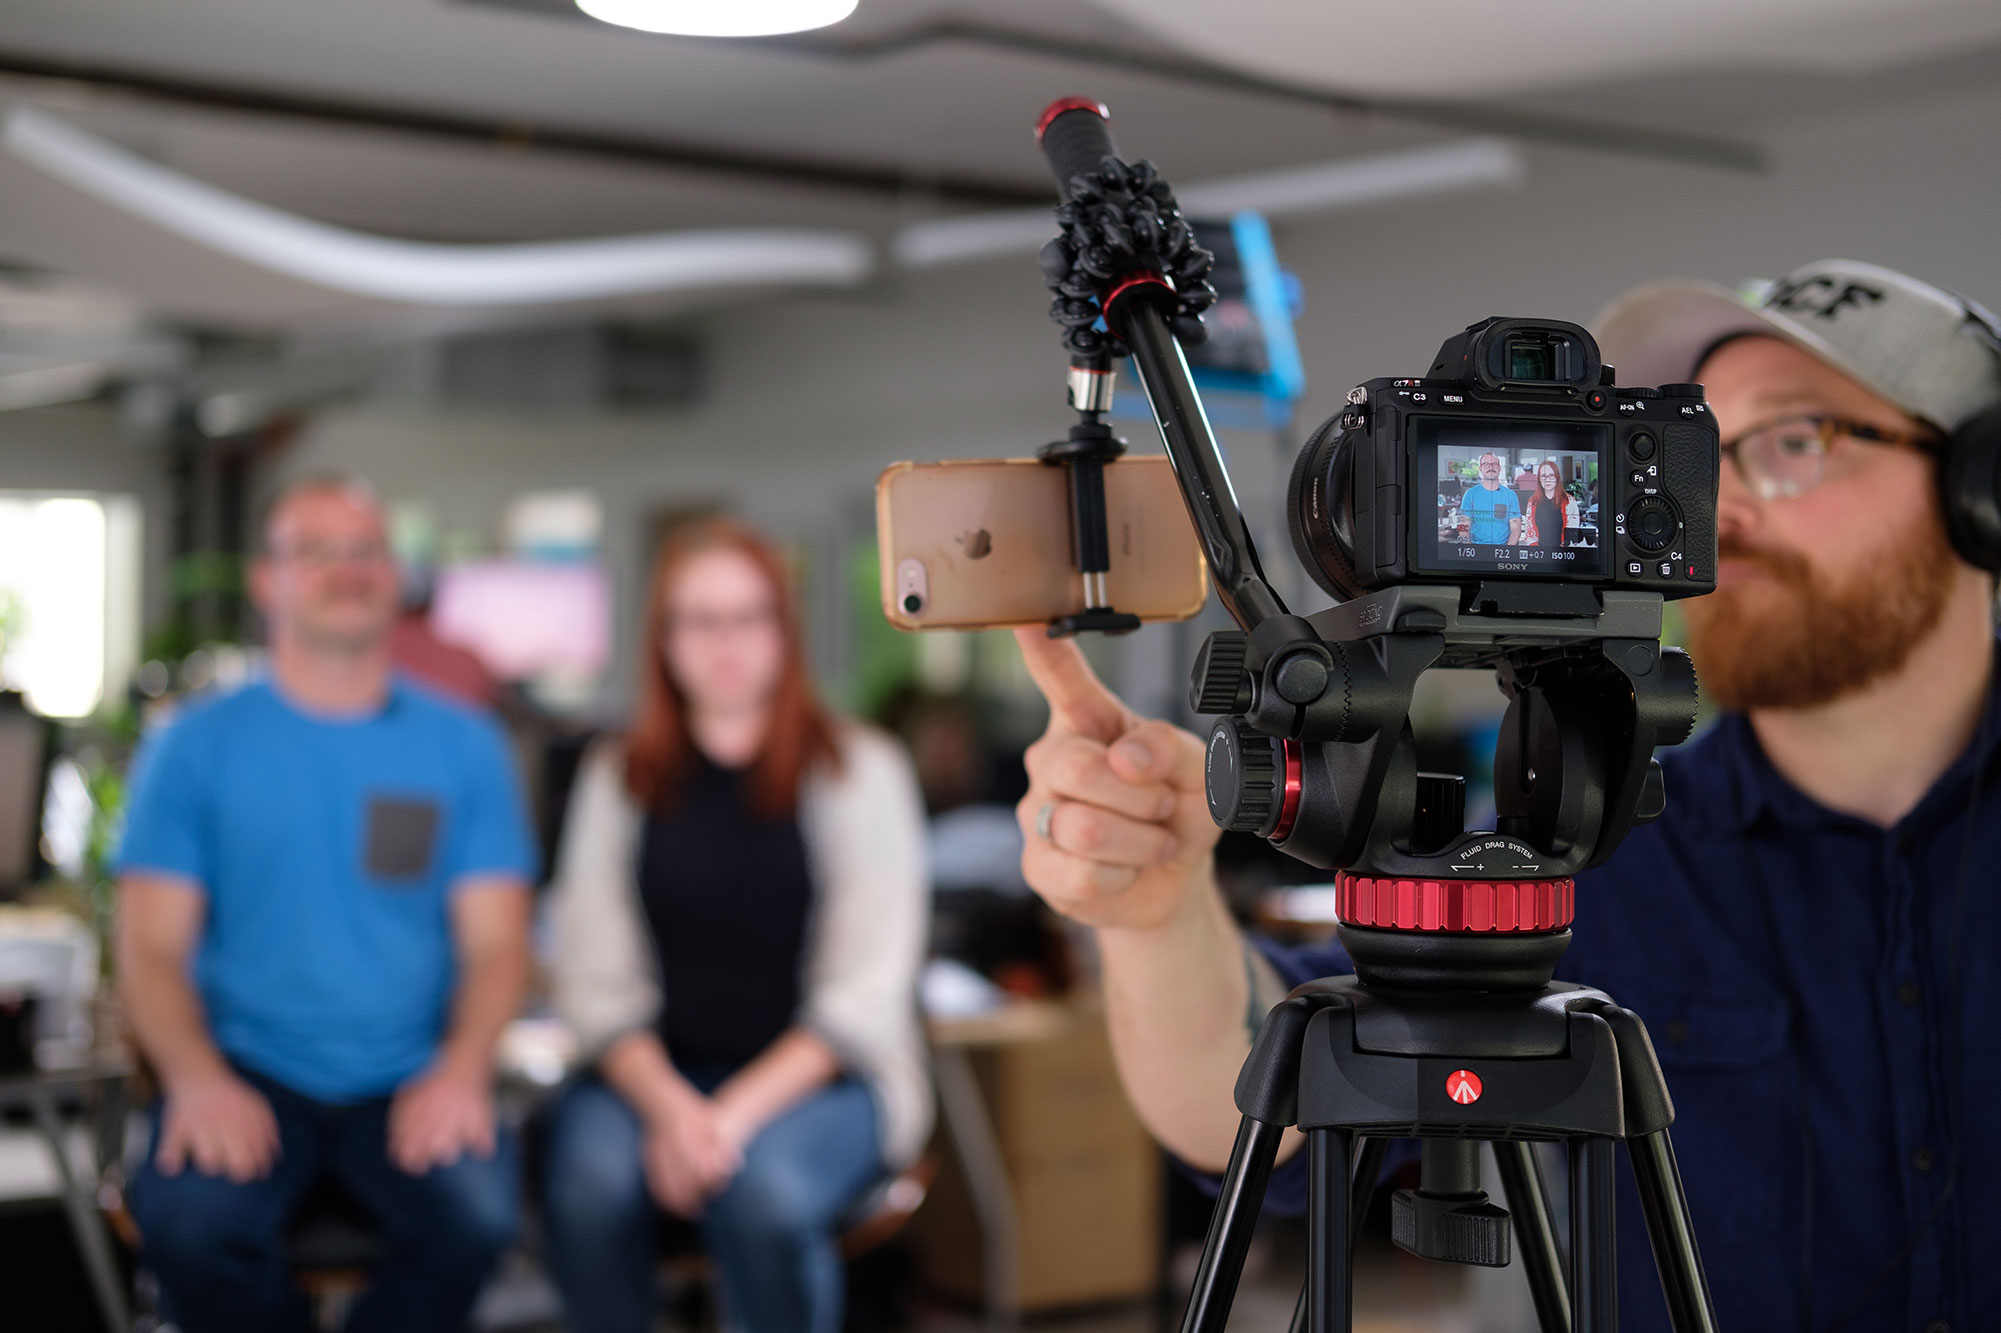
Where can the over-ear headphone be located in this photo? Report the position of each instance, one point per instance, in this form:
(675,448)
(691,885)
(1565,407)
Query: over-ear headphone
(1969,467)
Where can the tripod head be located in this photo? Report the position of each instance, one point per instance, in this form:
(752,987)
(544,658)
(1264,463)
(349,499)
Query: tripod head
(1314,750)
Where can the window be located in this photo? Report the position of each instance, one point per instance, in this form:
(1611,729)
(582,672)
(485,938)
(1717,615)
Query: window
(69,568)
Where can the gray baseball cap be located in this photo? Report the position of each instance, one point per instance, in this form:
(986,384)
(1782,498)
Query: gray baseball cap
(1935,355)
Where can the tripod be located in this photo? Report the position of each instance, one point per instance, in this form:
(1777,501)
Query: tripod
(1456,1039)
(1452,1032)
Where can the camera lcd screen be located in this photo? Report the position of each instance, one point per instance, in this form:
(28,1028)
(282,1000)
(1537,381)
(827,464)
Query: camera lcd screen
(1513,497)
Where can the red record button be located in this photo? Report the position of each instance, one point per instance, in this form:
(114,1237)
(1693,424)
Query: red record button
(1463,1086)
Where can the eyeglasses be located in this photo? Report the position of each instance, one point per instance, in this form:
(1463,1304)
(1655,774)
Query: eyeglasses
(712,624)
(1784,459)
(325,555)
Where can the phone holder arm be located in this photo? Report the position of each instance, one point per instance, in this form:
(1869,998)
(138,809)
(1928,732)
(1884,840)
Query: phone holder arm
(1127,261)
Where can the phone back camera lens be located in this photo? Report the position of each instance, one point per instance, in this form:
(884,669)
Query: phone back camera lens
(913,603)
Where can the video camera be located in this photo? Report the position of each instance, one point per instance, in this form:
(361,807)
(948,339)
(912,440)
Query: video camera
(1517,457)
(1513,508)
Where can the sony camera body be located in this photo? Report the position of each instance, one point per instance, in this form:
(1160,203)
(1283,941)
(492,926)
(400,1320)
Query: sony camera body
(1514,458)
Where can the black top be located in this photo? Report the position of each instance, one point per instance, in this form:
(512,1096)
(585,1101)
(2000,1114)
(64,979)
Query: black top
(726,892)
(1548,521)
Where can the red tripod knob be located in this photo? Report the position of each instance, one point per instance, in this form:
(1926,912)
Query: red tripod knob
(1459,905)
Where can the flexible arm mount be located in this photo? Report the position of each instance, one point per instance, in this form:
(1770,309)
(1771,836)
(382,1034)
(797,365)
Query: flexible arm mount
(1127,256)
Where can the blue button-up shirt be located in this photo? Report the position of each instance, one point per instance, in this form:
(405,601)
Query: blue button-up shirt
(1825,1000)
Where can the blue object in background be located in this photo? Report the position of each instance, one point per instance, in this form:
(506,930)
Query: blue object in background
(1250,368)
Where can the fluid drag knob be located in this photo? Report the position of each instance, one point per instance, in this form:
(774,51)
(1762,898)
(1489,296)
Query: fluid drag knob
(1245,772)
(1219,683)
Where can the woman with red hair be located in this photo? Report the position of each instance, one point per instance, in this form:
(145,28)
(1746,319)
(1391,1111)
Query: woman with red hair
(1548,508)
(740,914)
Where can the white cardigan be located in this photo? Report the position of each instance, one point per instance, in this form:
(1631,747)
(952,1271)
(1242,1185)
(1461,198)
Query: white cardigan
(866,934)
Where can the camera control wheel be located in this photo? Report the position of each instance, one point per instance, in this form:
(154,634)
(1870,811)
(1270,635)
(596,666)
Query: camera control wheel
(1651,523)
(1253,779)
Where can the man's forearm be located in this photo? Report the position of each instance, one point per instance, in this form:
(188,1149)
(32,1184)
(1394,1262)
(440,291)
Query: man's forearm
(166,1016)
(490,940)
(1178,998)
(489,995)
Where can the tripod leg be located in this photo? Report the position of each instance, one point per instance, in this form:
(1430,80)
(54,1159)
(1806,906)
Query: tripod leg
(1669,1231)
(1329,1233)
(1362,1188)
(1594,1251)
(1521,1183)
(1237,1205)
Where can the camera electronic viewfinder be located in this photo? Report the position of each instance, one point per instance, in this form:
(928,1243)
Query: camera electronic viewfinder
(1515,458)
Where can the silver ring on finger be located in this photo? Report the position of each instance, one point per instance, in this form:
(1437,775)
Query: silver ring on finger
(1045,817)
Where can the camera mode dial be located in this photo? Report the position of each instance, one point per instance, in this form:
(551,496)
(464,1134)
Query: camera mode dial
(1651,523)
(1246,774)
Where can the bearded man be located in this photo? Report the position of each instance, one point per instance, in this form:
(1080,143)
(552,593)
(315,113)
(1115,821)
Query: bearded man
(1810,930)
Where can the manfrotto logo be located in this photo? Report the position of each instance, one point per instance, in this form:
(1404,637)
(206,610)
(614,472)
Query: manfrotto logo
(1825,296)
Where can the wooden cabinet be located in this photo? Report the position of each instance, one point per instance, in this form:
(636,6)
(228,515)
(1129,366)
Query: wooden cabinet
(1081,1172)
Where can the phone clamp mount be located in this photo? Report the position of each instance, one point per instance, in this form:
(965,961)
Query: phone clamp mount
(1083,453)
(1452,1032)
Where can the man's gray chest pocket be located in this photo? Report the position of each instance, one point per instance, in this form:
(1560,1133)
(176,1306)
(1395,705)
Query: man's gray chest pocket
(400,838)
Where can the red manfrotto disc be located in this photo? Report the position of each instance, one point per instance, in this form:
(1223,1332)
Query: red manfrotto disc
(1470,906)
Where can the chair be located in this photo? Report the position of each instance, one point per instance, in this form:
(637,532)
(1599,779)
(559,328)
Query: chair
(331,1246)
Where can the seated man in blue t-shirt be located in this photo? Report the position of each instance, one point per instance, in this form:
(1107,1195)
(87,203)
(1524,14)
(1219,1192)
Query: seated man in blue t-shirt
(322,931)
(1495,510)
(1809,930)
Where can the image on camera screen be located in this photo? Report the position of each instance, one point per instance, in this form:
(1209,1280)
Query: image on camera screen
(1513,497)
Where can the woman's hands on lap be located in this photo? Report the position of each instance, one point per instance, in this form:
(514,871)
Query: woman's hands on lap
(690,1152)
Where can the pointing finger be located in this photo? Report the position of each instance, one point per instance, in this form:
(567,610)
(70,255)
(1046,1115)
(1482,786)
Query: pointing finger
(1078,700)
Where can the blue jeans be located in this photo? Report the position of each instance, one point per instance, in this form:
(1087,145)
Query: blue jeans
(771,1232)
(218,1247)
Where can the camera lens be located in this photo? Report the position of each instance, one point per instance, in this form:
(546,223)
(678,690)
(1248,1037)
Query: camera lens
(1320,513)
(913,603)
(1531,360)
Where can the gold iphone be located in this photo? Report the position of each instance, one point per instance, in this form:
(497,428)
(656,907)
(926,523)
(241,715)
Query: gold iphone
(982,544)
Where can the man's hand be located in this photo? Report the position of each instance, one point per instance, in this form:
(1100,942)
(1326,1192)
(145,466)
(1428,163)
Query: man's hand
(222,1125)
(438,1117)
(690,1154)
(1127,819)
